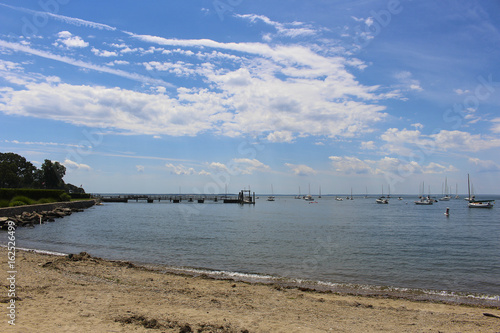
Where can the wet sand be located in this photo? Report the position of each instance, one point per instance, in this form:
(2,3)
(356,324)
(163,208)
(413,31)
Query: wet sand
(85,294)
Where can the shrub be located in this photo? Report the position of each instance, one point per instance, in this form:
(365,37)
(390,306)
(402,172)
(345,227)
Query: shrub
(22,198)
(46,200)
(64,197)
(4,203)
(16,203)
(35,194)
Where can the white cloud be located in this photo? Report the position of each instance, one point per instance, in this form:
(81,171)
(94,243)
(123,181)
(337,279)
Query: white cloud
(239,166)
(280,136)
(180,169)
(301,169)
(281,92)
(65,19)
(390,166)
(41,143)
(461,92)
(218,167)
(66,38)
(73,165)
(407,82)
(179,68)
(485,166)
(350,165)
(407,142)
(448,140)
(119,109)
(246,166)
(78,63)
(496,125)
(369,145)
(104,53)
(293,30)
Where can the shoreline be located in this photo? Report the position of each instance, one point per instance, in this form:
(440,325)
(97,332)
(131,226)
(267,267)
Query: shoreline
(347,289)
(80,292)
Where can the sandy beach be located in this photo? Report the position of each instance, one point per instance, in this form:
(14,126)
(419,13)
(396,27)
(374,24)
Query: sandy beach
(86,294)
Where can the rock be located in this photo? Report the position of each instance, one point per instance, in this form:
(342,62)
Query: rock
(79,257)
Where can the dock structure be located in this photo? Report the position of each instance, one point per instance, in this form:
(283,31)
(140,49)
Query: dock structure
(244,197)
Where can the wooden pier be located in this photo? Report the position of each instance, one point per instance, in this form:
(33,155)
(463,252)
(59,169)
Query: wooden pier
(244,197)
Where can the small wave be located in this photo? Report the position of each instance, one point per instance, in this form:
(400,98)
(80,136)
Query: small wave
(344,288)
(39,251)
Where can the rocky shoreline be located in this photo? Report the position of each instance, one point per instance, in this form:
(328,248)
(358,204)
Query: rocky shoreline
(29,216)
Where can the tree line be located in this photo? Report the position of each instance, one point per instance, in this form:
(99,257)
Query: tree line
(17,172)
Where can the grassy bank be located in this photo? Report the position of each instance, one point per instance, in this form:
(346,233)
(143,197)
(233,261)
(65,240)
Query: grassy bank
(22,197)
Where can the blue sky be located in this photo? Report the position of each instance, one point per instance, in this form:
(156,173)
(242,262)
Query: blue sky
(157,96)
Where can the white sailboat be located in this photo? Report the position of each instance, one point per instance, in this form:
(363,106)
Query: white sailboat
(446,196)
(473,203)
(423,200)
(308,197)
(298,196)
(271,197)
(382,199)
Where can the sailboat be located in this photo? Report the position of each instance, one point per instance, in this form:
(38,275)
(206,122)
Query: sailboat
(446,197)
(479,203)
(423,200)
(456,192)
(298,196)
(309,197)
(271,197)
(382,199)
(319,196)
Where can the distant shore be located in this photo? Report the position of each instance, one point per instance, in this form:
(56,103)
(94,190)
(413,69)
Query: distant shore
(82,293)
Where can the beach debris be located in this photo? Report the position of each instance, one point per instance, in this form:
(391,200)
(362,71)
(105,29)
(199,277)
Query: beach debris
(79,257)
(491,315)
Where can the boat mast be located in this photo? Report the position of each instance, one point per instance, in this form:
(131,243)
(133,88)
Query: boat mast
(468,185)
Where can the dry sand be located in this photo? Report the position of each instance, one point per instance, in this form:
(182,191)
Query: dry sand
(84,294)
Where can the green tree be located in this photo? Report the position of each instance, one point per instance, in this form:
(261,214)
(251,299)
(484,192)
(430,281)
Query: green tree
(52,174)
(16,171)
(70,188)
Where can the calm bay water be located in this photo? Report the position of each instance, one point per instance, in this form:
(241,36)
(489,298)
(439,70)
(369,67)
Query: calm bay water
(349,242)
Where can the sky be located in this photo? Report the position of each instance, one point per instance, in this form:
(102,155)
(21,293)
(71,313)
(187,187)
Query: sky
(203,96)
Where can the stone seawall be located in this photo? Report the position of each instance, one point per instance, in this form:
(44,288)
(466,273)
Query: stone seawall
(12,211)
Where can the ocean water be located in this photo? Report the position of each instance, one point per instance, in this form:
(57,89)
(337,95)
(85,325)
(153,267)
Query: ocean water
(350,242)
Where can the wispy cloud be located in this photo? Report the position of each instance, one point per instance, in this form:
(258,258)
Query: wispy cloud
(293,30)
(348,165)
(301,169)
(485,165)
(407,142)
(62,18)
(82,64)
(74,165)
(40,143)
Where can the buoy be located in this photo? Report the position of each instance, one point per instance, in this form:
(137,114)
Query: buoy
(447,213)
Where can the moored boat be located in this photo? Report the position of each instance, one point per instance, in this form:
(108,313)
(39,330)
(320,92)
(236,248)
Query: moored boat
(473,203)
